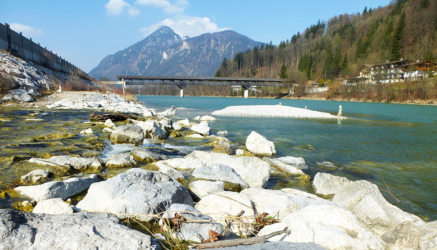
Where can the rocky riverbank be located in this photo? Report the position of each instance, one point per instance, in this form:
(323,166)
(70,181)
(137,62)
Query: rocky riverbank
(208,195)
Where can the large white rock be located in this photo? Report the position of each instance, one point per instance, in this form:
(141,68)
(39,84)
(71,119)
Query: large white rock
(201,128)
(219,172)
(53,206)
(35,176)
(204,188)
(153,129)
(20,95)
(301,194)
(69,162)
(177,126)
(110,124)
(366,201)
(258,145)
(283,166)
(123,160)
(184,163)
(87,131)
(297,162)
(58,189)
(107,130)
(184,123)
(128,134)
(190,230)
(22,230)
(220,205)
(135,193)
(173,173)
(252,170)
(278,203)
(412,235)
(169,111)
(328,184)
(330,226)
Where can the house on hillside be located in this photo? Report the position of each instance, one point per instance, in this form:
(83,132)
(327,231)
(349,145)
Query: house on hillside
(392,72)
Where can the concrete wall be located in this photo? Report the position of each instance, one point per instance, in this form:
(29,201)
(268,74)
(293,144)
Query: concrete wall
(20,46)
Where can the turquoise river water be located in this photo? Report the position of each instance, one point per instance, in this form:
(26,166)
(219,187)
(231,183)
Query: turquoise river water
(379,142)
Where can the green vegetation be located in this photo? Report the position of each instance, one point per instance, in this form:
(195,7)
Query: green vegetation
(339,47)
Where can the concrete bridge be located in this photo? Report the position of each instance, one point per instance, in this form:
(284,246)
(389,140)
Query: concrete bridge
(182,82)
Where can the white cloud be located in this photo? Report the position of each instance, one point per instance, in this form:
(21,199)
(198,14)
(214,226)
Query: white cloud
(187,25)
(117,7)
(27,30)
(178,6)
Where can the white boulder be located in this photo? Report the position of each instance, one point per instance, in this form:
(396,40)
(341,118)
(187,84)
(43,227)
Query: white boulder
(35,176)
(207,118)
(258,145)
(327,184)
(201,128)
(219,172)
(87,131)
(123,160)
(110,124)
(53,206)
(204,188)
(283,166)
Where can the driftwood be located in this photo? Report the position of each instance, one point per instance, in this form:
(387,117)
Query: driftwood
(115,117)
(238,242)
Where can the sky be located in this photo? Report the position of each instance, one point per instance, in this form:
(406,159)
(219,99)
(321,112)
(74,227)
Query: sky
(85,31)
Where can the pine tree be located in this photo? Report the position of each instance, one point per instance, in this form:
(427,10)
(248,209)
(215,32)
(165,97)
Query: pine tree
(283,72)
(344,66)
(423,4)
(365,11)
(396,42)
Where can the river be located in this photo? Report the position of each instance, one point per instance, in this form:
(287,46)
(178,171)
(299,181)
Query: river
(379,142)
(391,143)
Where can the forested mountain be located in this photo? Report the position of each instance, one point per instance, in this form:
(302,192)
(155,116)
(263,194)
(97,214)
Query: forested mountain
(340,46)
(166,53)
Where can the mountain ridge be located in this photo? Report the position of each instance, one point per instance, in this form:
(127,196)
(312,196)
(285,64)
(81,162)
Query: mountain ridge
(167,53)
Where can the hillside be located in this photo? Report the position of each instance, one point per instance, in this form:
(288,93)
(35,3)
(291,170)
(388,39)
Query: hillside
(166,53)
(339,47)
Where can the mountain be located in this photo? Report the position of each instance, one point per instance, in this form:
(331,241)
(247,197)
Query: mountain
(166,53)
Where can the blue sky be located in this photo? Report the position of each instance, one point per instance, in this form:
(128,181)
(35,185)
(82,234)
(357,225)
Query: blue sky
(85,31)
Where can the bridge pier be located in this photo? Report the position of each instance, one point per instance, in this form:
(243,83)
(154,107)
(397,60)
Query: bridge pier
(181,93)
(246,93)
(124,89)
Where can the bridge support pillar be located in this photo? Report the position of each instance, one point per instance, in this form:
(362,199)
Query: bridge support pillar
(181,93)
(124,89)
(246,93)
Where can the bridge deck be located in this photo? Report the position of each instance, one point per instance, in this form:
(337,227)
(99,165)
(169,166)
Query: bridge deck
(196,79)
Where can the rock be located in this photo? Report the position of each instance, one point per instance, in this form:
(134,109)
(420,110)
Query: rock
(20,95)
(182,163)
(252,170)
(110,124)
(201,128)
(35,176)
(21,230)
(258,145)
(329,226)
(239,152)
(203,188)
(53,206)
(166,124)
(301,194)
(87,131)
(135,193)
(275,202)
(219,172)
(175,134)
(146,156)
(69,162)
(222,133)
(283,167)
(226,203)
(412,235)
(173,173)
(327,184)
(189,231)
(58,189)
(107,130)
(367,203)
(177,126)
(207,118)
(123,160)
(222,147)
(128,134)
(278,245)
(297,162)
(152,129)
(184,123)
(34,120)
(195,136)
(170,111)
(197,118)
(326,165)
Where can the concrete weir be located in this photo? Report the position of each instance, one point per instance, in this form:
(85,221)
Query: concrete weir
(182,82)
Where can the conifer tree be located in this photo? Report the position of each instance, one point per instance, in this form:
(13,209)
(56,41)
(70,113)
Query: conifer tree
(365,11)
(283,72)
(396,42)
